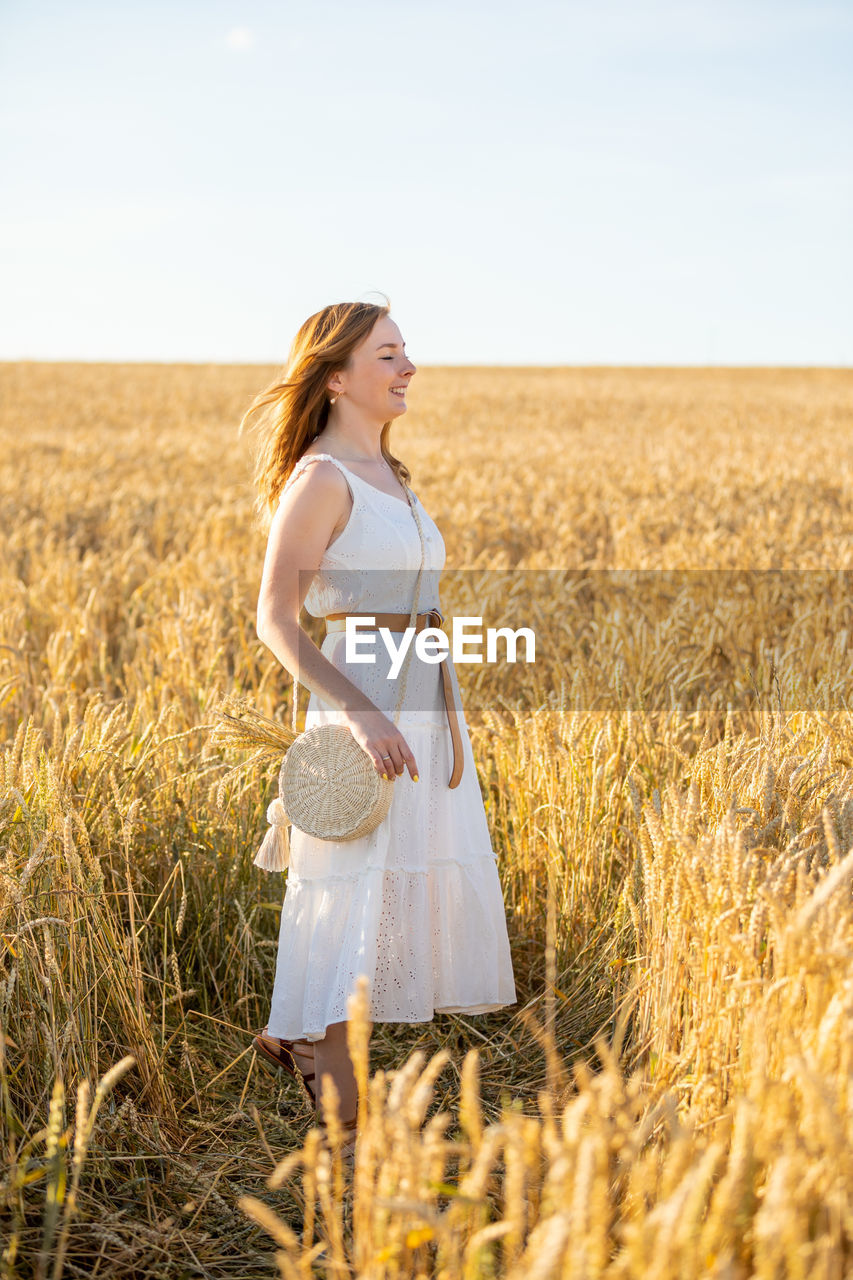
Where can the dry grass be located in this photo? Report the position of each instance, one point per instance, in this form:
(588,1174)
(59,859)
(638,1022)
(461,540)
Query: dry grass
(670,791)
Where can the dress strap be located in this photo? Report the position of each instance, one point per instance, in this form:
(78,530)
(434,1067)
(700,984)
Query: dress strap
(360,485)
(310,457)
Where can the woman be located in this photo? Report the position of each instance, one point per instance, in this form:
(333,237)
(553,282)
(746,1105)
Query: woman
(417,904)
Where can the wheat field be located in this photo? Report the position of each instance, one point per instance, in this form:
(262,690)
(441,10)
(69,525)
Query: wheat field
(669,790)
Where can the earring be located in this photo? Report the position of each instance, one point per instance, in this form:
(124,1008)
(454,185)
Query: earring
(332,399)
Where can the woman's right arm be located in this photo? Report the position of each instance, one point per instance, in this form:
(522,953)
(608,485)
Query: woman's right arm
(313,505)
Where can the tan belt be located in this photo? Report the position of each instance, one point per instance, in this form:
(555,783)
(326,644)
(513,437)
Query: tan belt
(399,622)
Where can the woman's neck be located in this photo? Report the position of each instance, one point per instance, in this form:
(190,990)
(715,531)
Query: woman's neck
(360,441)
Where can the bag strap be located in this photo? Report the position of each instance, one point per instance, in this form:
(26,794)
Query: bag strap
(404,674)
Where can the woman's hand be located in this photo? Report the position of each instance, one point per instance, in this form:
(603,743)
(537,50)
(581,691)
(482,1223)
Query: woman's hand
(383,742)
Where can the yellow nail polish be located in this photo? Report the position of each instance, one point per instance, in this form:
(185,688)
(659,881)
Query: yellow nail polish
(385,776)
(416,777)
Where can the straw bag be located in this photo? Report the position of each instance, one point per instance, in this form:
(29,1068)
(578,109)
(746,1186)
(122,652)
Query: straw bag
(328,785)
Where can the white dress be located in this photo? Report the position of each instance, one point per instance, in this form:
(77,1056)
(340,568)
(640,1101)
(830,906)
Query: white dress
(417,904)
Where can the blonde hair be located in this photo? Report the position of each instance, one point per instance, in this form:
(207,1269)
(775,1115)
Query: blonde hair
(294,409)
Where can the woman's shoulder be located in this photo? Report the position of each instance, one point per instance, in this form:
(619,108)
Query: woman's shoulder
(321,472)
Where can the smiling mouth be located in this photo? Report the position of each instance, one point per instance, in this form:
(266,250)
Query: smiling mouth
(398,391)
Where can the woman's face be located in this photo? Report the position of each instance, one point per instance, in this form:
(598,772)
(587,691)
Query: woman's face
(379,373)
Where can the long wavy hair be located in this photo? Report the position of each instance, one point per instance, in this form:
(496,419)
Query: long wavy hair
(294,408)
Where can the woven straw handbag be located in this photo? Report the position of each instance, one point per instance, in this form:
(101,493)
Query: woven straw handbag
(327,785)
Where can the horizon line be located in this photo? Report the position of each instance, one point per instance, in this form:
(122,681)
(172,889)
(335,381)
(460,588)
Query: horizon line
(595,364)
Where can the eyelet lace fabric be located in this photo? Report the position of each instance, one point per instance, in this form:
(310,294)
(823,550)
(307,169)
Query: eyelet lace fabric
(416,905)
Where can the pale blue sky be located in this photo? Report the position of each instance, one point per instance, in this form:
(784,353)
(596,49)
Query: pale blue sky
(549,182)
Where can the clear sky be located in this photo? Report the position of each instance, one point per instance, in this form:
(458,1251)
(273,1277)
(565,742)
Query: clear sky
(528,181)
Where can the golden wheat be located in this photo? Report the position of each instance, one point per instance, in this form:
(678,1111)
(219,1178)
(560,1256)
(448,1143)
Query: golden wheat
(669,789)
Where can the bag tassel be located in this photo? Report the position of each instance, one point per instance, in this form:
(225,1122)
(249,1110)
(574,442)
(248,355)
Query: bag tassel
(274,853)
